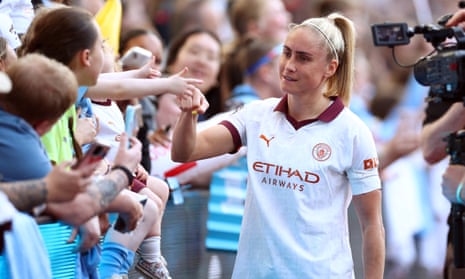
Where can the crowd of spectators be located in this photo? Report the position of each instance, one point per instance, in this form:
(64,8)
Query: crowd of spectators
(226,48)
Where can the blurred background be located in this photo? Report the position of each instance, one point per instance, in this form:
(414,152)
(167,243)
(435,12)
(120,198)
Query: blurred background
(200,231)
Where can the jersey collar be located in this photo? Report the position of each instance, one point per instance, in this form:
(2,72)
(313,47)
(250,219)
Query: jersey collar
(326,116)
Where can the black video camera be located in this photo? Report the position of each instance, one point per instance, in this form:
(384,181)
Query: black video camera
(443,70)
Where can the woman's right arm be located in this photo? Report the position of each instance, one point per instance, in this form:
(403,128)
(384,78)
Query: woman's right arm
(187,144)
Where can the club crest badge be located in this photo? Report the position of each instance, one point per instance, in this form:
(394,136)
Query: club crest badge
(321,152)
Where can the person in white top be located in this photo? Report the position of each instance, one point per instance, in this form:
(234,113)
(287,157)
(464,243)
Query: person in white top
(308,157)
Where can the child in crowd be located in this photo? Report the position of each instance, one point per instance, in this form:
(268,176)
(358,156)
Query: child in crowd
(111,126)
(72,37)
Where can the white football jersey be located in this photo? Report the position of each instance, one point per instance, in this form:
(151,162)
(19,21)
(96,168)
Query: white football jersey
(301,180)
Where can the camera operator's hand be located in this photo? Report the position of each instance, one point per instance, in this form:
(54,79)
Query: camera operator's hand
(433,145)
(458,19)
(452,177)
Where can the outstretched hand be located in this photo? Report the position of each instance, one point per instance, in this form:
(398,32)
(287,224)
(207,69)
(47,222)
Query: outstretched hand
(180,85)
(149,70)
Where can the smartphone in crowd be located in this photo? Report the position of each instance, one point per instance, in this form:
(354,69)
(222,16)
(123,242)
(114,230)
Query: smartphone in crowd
(135,57)
(95,153)
(133,120)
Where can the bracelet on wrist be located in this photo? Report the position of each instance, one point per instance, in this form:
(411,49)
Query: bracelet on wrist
(126,171)
(458,194)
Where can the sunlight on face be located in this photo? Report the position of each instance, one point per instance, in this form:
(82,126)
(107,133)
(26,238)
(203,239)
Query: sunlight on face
(96,57)
(303,65)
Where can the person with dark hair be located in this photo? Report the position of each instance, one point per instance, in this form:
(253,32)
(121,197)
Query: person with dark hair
(308,158)
(84,59)
(144,38)
(152,42)
(22,122)
(77,43)
(112,126)
(257,63)
(199,50)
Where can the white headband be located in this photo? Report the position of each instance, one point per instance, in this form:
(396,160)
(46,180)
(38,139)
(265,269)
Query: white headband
(331,44)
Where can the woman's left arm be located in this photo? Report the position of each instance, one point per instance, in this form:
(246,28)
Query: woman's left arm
(368,209)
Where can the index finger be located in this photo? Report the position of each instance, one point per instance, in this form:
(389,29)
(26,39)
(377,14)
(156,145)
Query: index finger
(457,18)
(193,81)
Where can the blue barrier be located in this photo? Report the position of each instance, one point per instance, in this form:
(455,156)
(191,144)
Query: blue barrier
(226,206)
(61,254)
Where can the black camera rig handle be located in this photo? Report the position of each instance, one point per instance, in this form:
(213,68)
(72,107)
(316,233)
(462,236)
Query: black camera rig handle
(456,150)
(458,234)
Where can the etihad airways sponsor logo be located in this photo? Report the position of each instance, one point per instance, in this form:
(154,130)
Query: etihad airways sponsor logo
(284,172)
(282,184)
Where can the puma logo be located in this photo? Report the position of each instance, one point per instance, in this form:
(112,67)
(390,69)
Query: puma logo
(263,137)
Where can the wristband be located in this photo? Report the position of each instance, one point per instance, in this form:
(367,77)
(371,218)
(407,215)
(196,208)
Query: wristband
(458,197)
(126,171)
(137,185)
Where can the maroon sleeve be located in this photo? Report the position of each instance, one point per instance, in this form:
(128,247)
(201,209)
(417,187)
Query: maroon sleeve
(234,133)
